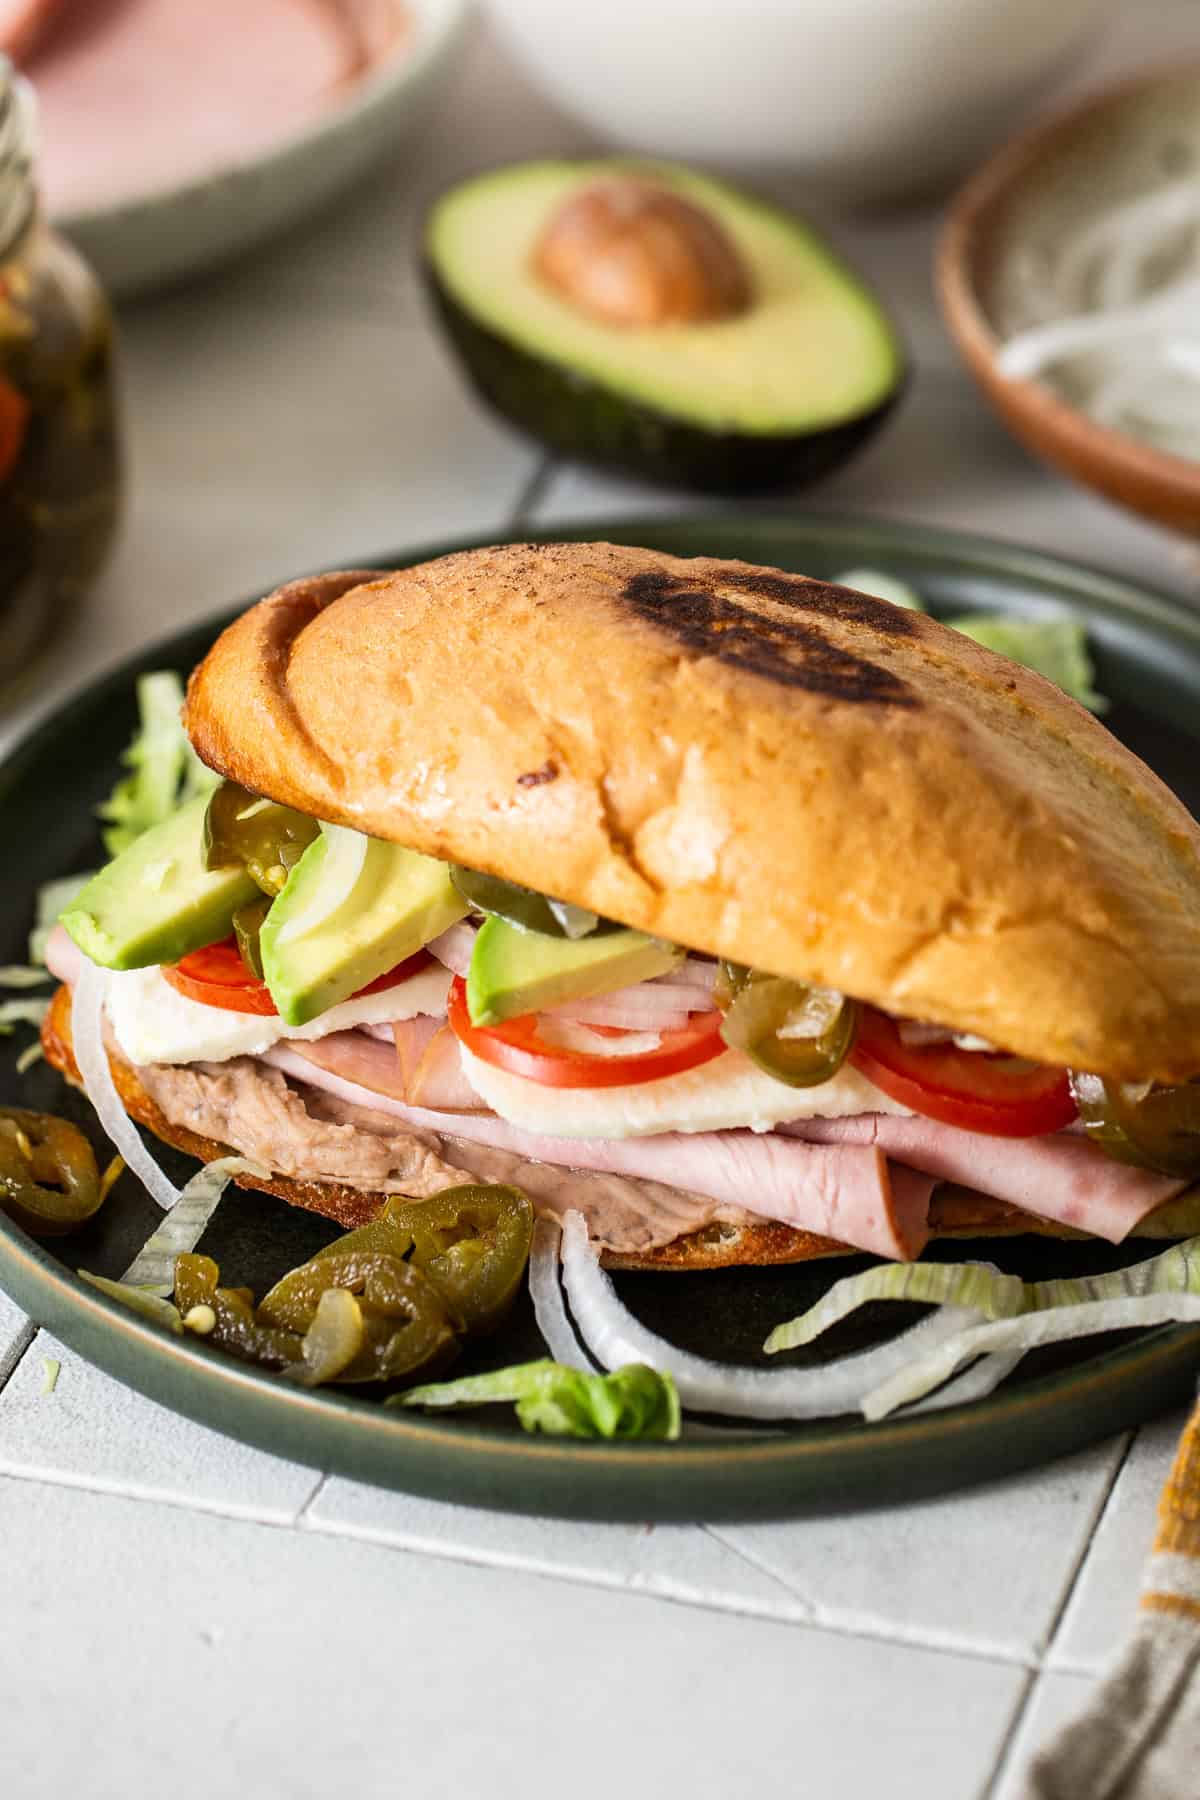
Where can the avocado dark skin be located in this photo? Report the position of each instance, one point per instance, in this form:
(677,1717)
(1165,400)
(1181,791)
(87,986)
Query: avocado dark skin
(579,417)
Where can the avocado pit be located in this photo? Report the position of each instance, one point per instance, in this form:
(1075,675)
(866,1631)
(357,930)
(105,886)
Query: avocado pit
(631,253)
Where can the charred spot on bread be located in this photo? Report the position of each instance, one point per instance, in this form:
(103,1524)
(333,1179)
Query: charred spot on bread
(792,651)
(539,777)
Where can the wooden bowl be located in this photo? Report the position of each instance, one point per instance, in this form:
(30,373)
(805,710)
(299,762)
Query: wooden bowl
(1106,150)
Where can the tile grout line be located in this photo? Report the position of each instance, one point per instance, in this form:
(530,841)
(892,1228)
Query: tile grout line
(116,1490)
(1021,1710)
(300,1520)
(802,1615)
(754,1563)
(1099,1514)
(19,1349)
(299,1523)
(1004,1752)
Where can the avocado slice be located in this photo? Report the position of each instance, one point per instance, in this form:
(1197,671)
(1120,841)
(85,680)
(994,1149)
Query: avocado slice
(157,901)
(399,901)
(781,393)
(514,971)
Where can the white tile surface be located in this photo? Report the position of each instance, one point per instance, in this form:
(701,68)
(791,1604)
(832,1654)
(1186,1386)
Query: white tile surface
(1054,1699)
(985,1570)
(676,1562)
(228,1657)
(1102,1607)
(15,1331)
(94,1432)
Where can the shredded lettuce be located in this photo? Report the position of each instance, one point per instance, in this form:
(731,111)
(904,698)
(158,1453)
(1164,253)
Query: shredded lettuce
(979,1286)
(633,1402)
(164,770)
(1055,648)
(53,898)
(1136,1312)
(153,1268)
(988,1292)
(21,975)
(138,1300)
(883,586)
(1011,1316)
(32,1053)
(21,1012)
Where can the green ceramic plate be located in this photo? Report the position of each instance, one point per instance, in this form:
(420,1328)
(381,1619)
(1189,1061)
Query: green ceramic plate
(1147,649)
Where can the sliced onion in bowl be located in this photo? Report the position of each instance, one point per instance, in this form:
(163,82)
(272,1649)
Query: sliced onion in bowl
(615,1337)
(345,855)
(87,1033)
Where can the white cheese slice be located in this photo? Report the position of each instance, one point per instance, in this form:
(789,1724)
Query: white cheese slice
(721,1095)
(154,1024)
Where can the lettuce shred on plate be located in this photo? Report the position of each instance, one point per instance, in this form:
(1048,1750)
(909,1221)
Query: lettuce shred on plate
(163,773)
(164,770)
(1056,648)
(633,1402)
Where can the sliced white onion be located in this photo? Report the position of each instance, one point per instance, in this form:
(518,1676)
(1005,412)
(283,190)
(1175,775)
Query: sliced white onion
(615,1337)
(643,1007)
(693,971)
(974,1383)
(153,1268)
(934,1364)
(548,1305)
(345,855)
(453,948)
(1120,242)
(87,1033)
(567,1034)
(1029,352)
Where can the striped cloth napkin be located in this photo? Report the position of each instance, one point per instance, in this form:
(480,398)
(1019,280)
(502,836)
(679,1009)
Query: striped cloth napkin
(1139,1736)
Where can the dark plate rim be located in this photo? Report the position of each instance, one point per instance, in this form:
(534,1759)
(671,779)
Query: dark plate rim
(743,1476)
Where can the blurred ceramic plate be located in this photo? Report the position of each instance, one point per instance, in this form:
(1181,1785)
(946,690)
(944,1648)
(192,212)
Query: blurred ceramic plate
(152,235)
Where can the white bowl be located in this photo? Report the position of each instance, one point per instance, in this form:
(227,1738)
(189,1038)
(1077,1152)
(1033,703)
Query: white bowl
(869,99)
(158,237)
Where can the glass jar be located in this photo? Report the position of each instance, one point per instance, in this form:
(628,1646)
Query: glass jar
(60,463)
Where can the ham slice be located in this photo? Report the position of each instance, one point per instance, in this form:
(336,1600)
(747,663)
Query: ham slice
(1063,1178)
(136,96)
(841,1191)
(422,1066)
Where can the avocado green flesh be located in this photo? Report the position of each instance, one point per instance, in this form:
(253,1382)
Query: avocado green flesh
(813,351)
(514,972)
(157,902)
(399,901)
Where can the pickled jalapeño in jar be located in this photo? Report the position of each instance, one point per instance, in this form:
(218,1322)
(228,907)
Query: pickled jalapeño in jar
(60,460)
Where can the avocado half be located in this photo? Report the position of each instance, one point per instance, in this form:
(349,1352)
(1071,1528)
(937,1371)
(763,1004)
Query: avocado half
(778,395)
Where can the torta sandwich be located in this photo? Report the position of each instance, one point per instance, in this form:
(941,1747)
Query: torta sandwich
(753,916)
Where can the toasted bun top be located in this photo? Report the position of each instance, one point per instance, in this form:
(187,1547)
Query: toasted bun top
(760,766)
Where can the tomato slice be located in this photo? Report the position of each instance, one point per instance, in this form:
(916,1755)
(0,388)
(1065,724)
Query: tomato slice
(997,1094)
(518,1046)
(217,976)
